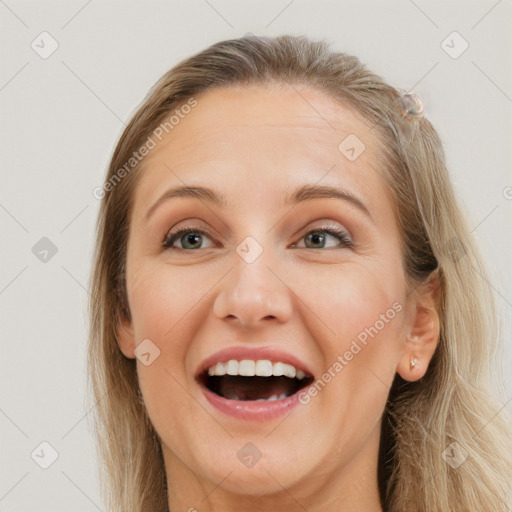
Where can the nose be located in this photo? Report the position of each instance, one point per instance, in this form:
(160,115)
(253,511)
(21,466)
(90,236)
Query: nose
(252,293)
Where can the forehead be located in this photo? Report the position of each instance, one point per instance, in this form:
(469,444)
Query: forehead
(260,142)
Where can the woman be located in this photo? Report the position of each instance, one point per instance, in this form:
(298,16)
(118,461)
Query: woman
(288,310)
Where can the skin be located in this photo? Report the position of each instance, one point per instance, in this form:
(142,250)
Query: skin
(312,300)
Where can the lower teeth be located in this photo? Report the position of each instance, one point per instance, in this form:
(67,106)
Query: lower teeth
(255,389)
(271,398)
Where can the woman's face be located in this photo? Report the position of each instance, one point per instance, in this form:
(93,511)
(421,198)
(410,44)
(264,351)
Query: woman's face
(249,282)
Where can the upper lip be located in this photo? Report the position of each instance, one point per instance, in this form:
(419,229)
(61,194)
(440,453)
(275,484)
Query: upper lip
(240,353)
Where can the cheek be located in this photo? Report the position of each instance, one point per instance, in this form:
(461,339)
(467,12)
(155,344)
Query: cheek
(355,302)
(367,317)
(364,310)
(166,308)
(161,298)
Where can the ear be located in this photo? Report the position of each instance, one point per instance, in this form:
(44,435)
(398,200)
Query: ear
(125,337)
(423,331)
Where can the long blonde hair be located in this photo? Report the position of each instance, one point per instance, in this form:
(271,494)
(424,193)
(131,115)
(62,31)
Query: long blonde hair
(451,403)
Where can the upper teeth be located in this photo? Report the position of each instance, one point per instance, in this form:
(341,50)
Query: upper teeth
(260,368)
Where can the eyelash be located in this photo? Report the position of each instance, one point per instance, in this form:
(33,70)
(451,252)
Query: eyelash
(171,237)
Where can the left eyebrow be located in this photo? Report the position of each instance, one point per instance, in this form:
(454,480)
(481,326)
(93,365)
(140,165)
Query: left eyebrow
(325,191)
(302,193)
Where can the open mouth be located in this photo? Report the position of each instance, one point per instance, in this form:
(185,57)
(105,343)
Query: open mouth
(248,380)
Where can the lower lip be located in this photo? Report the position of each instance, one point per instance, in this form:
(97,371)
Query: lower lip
(252,409)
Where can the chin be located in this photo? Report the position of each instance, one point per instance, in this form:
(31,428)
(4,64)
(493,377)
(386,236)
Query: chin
(259,480)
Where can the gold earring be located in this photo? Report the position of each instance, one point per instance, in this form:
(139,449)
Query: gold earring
(414,362)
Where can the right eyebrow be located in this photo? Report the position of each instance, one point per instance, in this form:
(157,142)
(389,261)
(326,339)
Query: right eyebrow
(302,193)
(202,193)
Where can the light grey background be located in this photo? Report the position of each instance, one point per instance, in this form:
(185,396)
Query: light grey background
(61,117)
